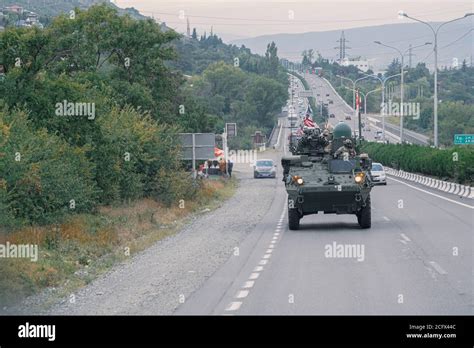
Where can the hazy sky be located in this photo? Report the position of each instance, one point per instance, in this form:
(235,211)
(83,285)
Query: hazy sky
(247,18)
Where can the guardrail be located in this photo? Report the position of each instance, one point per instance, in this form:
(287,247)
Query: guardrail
(445,186)
(279,136)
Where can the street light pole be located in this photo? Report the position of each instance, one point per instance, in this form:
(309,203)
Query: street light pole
(382,109)
(402,73)
(353,90)
(435,49)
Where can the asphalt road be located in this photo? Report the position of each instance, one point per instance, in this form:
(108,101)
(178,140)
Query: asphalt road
(340,109)
(241,259)
(416,259)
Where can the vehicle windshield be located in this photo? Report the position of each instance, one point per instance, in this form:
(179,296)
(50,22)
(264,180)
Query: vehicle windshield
(341,166)
(264,163)
(377,167)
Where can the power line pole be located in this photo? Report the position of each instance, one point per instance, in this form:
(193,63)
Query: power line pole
(410,54)
(342,47)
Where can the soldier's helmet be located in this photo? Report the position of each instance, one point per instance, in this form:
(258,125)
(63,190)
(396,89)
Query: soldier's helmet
(348,143)
(342,130)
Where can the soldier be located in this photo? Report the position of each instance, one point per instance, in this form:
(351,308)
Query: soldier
(327,138)
(346,151)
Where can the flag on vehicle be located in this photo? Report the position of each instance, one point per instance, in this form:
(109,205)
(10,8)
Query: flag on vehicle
(357,100)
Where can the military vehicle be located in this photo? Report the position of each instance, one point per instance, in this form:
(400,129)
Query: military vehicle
(316,181)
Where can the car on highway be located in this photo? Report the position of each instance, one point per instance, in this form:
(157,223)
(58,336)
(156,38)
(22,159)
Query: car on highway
(264,168)
(348,117)
(378,135)
(331,101)
(332,116)
(378,174)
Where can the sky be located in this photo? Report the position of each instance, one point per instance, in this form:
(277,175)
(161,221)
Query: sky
(232,19)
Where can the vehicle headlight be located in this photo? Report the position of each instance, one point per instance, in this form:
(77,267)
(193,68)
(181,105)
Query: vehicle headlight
(298,179)
(359,178)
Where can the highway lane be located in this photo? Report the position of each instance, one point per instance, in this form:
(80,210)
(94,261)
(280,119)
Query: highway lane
(340,109)
(417,260)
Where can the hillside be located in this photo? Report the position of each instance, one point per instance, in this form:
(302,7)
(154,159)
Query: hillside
(361,42)
(51,8)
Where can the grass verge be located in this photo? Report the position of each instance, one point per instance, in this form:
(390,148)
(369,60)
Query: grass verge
(73,253)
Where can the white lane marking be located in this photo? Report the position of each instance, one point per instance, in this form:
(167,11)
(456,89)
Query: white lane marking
(404,236)
(254,276)
(269,251)
(438,268)
(233,306)
(403,241)
(248,284)
(263,262)
(433,194)
(386,218)
(271,246)
(242,294)
(276,233)
(274,238)
(258,269)
(267,256)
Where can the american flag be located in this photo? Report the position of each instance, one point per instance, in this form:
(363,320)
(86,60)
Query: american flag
(358,101)
(308,122)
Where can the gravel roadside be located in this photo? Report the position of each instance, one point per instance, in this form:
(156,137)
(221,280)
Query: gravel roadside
(157,280)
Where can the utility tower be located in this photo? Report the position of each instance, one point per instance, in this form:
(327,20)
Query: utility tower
(188,29)
(410,55)
(342,47)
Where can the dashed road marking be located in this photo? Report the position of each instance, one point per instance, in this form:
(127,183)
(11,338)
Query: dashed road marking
(404,236)
(248,284)
(263,262)
(386,218)
(242,294)
(267,256)
(271,246)
(254,276)
(233,306)
(258,269)
(273,241)
(438,268)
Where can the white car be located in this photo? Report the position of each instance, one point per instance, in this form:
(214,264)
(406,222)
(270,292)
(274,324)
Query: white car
(378,174)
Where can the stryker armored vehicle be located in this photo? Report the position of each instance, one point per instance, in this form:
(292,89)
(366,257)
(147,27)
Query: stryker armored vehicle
(324,174)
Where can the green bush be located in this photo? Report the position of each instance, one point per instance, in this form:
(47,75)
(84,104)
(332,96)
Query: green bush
(440,163)
(41,174)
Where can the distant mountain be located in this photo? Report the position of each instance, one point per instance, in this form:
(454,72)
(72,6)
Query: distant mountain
(361,41)
(52,8)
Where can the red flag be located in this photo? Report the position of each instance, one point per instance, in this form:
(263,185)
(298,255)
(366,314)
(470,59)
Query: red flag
(357,100)
(308,122)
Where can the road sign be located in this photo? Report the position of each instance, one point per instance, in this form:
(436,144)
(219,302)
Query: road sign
(463,139)
(200,144)
(305,94)
(231,129)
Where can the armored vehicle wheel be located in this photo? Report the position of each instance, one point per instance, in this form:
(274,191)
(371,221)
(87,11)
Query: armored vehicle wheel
(293,219)
(364,216)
